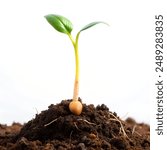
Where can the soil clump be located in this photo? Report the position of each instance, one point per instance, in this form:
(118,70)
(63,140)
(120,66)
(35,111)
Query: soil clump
(57,128)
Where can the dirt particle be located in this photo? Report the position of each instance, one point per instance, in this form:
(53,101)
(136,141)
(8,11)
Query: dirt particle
(92,136)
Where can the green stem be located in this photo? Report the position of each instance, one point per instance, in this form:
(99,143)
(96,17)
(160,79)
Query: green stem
(76,83)
(77,57)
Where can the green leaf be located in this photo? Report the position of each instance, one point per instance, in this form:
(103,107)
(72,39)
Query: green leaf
(60,23)
(91,25)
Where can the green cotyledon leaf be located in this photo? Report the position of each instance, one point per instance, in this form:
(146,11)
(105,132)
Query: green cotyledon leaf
(60,23)
(91,25)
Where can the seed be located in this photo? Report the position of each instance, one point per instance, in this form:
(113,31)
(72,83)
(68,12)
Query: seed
(75,107)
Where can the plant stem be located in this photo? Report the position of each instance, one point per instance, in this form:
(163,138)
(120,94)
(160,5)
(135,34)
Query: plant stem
(76,83)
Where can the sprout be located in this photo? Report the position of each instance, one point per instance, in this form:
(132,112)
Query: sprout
(65,26)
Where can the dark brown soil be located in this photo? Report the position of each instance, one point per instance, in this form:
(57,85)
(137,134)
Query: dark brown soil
(57,129)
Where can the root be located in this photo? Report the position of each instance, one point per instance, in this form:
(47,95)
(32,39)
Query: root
(50,122)
(123,117)
(76,126)
(122,128)
(36,110)
(71,136)
(86,121)
(74,122)
(138,133)
(133,131)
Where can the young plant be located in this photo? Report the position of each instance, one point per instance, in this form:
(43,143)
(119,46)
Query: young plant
(65,26)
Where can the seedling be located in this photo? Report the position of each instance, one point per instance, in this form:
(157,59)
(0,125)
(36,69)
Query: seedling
(65,26)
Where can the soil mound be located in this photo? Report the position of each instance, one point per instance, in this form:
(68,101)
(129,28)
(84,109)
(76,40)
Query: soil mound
(58,129)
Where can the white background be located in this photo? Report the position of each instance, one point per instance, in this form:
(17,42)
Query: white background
(37,63)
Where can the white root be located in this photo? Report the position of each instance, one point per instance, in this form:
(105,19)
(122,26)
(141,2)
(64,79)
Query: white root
(50,122)
(86,121)
(122,128)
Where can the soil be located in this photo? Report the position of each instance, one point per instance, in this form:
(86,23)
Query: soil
(57,128)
